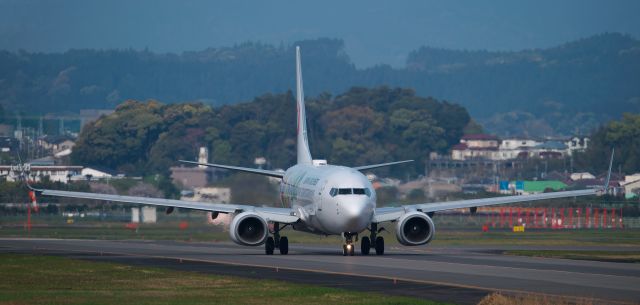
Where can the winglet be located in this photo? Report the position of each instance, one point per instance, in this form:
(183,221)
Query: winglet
(606,182)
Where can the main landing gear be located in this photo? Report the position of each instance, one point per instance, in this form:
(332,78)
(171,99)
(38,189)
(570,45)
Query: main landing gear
(373,241)
(282,243)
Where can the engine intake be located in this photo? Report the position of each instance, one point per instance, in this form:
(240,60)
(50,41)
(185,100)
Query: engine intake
(414,229)
(248,229)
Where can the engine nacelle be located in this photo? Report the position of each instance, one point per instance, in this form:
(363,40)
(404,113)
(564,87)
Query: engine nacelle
(414,229)
(248,229)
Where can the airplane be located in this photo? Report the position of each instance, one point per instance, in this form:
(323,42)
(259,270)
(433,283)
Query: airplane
(323,199)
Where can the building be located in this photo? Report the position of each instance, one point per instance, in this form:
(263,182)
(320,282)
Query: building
(8,144)
(582,176)
(38,172)
(577,144)
(215,195)
(478,146)
(58,145)
(195,177)
(631,186)
(6,130)
(489,147)
(530,187)
(550,150)
(209,194)
(89,173)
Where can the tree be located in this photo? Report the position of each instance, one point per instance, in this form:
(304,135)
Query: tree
(624,136)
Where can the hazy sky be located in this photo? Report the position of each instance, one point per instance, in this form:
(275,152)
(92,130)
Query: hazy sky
(374,31)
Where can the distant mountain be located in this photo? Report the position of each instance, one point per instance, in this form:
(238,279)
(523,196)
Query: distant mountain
(571,88)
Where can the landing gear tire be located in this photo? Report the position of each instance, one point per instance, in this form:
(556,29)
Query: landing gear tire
(348,250)
(284,245)
(365,246)
(269,245)
(379,245)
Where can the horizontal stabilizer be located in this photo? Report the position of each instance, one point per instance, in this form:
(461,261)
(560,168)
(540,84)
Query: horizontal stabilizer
(242,169)
(365,167)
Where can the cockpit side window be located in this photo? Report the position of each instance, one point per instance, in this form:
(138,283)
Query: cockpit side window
(333,192)
(367,192)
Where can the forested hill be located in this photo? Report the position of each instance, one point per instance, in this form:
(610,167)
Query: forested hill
(566,89)
(361,126)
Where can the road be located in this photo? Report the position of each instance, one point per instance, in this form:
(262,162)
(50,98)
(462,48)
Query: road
(456,274)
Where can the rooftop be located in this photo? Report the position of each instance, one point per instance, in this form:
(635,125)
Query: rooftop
(485,137)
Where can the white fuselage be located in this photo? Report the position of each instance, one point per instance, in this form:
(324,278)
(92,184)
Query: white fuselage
(329,199)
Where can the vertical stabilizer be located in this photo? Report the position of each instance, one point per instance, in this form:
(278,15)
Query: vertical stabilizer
(304,156)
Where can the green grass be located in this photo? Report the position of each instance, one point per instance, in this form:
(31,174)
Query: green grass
(608,256)
(28,279)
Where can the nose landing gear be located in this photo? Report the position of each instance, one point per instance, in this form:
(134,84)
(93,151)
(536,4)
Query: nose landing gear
(282,243)
(347,247)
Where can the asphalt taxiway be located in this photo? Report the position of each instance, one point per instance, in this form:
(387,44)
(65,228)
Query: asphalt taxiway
(455,274)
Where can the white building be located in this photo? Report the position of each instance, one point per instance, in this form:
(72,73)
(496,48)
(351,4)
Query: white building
(38,173)
(479,146)
(583,176)
(95,174)
(489,147)
(577,144)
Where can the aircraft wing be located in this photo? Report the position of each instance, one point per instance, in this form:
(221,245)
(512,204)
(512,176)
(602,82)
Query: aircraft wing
(372,166)
(238,168)
(283,215)
(393,213)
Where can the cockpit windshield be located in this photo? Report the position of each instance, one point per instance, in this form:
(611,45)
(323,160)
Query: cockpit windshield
(349,191)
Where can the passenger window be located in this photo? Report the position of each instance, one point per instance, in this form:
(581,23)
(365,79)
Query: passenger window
(333,192)
(344,191)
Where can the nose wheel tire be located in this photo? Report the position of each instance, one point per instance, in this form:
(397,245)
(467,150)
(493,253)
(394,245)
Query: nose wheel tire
(269,245)
(348,250)
(379,245)
(365,246)
(284,245)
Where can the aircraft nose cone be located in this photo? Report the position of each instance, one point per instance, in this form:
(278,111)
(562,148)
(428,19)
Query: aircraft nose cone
(356,213)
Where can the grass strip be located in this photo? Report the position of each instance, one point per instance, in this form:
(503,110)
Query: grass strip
(36,279)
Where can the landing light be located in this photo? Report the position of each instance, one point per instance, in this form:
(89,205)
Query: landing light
(349,246)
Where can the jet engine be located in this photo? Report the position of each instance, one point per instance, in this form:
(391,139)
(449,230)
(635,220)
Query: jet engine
(248,229)
(414,229)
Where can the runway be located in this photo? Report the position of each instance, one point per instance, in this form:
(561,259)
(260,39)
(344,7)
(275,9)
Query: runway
(455,274)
